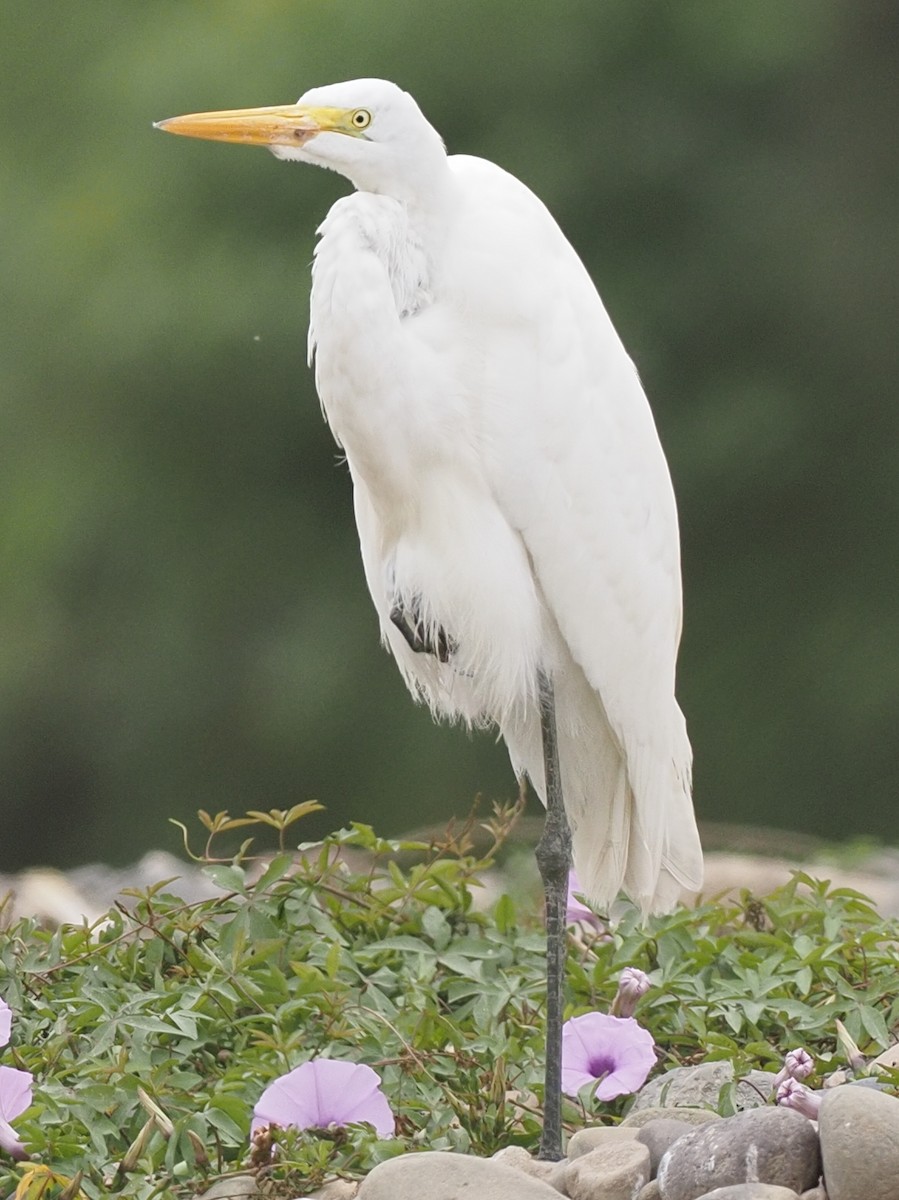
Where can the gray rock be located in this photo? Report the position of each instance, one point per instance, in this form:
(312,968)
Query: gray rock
(337,1189)
(519,1159)
(436,1175)
(238,1187)
(888,1059)
(765,1145)
(589,1139)
(751,1191)
(841,1078)
(659,1136)
(557,1179)
(700,1087)
(859,1132)
(836,1079)
(815,1193)
(691,1116)
(614,1171)
(650,1192)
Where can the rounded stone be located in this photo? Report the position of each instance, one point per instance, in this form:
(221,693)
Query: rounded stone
(614,1171)
(751,1191)
(888,1059)
(519,1159)
(441,1176)
(700,1087)
(238,1187)
(337,1189)
(557,1179)
(637,1118)
(650,1192)
(764,1145)
(859,1132)
(595,1136)
(659,1136)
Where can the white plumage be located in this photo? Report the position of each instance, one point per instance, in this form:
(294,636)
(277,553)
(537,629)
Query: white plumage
(509,486)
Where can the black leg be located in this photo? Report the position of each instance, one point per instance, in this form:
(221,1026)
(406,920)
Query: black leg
(553,860)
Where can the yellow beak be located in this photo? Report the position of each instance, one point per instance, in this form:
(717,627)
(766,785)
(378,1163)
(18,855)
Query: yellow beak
(287,125)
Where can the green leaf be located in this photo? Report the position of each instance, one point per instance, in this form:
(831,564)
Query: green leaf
(436,927)
(504,914)
(229,1116)
(228,878)
(874,1025)
(280,866)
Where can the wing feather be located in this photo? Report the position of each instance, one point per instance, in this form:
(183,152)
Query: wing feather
(578,470)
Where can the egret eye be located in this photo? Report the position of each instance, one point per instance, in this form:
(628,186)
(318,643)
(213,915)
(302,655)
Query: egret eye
(361,118)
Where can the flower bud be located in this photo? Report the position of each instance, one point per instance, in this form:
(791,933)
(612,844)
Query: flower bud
(858,1064)
(72,1188)
(133,1154)
(200,1156)
(632,984)
(795,1095)
(161,1120)
(798,1064)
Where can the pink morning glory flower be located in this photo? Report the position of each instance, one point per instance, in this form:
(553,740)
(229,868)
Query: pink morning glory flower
(5,1022)
(614,1053)
(323,1092)
(15,1097)
(576,912)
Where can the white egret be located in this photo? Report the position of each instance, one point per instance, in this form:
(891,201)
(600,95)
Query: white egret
(516,517)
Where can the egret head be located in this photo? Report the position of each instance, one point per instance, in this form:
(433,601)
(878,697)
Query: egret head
(369,130)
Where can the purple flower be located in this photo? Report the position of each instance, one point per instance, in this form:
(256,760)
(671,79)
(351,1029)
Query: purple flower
(616,1053)
(632,984)
(576,912)
(5,1022)
(323,1092)
(15,1097)
(793,1094)
(798,1064)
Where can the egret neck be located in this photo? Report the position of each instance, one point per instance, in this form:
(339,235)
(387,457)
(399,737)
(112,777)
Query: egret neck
(378,264)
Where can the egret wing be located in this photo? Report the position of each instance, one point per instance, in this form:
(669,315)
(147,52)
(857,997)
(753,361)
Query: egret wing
(577,468)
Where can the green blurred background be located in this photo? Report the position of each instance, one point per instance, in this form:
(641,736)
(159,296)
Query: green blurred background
(184,618)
